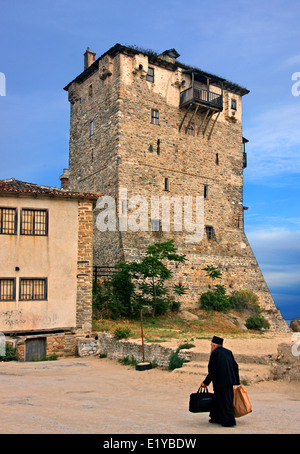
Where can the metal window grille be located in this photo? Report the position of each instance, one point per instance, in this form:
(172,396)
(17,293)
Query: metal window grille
(150,75)
(7,289)
(33,289)
(154,116)
(34,222)
(8,221)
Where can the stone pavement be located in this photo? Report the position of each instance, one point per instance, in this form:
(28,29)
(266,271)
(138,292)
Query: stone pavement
(101,396)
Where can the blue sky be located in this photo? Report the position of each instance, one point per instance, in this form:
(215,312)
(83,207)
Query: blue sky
(255,44)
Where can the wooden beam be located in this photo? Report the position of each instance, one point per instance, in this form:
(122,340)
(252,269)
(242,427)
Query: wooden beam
(204,118)
(191,119)
(187,111)
(211,112)
(213,125)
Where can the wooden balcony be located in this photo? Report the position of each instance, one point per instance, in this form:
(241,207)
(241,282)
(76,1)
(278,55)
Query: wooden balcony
(202,97)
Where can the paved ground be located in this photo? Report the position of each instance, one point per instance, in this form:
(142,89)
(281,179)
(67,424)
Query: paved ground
(100,396)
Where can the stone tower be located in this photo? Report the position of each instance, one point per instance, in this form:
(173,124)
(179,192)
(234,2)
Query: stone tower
(143,127)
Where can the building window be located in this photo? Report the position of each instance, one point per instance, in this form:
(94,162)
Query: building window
(34,222)
(7,289)
(166,184)
(91,128)
(155,225)
(217,159)
(91,91)
(210,233)
(158,147)
(8,221)
(150,75)
(191,129)
(33,289)
(233,104)
(205,191)
(154,116)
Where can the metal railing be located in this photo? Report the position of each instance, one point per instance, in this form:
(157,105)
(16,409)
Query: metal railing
(104,272)
(202,96)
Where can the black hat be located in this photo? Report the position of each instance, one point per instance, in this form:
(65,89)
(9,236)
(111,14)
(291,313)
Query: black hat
(217,340)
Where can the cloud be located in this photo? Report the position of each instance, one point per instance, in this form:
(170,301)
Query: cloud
(275,142)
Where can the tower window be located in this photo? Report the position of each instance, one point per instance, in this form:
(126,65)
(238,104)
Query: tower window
(91,91)
(155,225)
(158,146)
(233,104)
(205,191)
(166,184)
(217,159)
(150,75)
(91,128)
(191,129)
(154,117)
(210,233)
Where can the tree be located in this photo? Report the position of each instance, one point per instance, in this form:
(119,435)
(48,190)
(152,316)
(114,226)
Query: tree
(212,272)
(153,272)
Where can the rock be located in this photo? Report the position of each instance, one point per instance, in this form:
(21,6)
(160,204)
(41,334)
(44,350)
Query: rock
(188,316)
(295,325)
(237,321)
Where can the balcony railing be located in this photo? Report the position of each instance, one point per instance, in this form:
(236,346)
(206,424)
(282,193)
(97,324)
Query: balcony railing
(201,96)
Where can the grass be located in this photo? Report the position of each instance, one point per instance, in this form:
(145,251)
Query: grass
(170,326)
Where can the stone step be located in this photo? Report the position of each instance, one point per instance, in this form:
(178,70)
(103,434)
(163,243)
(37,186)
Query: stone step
(249,373)
(239,357)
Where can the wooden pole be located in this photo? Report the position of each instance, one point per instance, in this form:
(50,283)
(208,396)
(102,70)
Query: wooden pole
(142,336)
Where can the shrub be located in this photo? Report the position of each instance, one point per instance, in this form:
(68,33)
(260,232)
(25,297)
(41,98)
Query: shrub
(10,354)
(216,300)
(257,322)
(244,300)
(175,362)
(122,332)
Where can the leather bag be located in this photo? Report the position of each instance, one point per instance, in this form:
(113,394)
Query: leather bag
(201,401)
(241,402)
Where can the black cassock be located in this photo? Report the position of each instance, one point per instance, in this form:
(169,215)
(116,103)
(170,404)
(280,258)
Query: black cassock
(223,372)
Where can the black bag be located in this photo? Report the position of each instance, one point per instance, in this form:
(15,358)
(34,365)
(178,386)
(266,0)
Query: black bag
(201,402)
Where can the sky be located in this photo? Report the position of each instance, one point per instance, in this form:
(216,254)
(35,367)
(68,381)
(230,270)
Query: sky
(254,44)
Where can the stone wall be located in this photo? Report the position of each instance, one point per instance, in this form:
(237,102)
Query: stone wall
(286,364)
(106,344)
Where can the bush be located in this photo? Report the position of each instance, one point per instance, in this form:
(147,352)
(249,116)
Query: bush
(244,300)
(10,354)
(215,300)
(122,332)
(175,362)
(257,322)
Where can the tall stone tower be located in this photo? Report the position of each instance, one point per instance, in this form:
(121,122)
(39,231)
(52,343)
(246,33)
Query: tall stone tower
(146,128)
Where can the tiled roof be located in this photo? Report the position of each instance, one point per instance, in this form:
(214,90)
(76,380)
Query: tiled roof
(12,186)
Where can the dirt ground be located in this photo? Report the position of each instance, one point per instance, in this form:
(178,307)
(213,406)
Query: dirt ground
(101,396)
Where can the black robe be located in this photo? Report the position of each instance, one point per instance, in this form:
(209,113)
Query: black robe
(223,372)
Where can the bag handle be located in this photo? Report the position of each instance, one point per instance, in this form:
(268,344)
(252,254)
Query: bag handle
(202,389)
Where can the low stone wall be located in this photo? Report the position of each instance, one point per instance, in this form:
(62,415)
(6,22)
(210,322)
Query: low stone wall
(107,344)
(286,365)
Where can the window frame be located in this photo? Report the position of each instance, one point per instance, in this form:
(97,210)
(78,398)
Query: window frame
(15,229)
(34,233)
(210,232)
(33,279)
(149,76)
(191,128)
(13,279)
(155,116)
(233,104)
(155,225)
